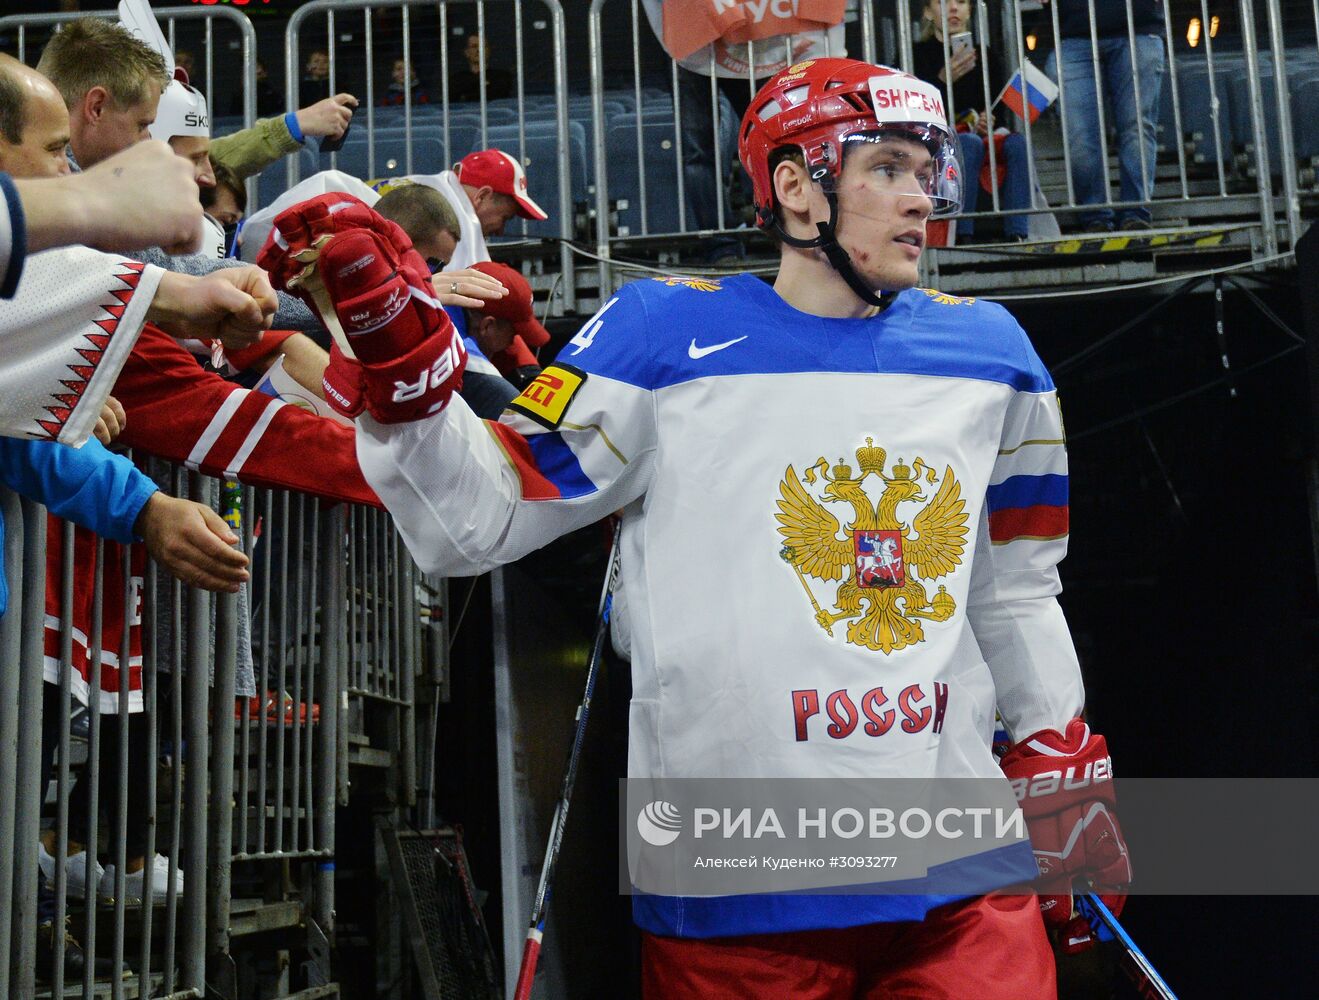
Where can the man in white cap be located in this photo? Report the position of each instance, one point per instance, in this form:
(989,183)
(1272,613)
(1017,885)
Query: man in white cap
(183,121)
(486,190)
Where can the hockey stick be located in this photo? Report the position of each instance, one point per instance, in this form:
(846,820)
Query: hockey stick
(531,950)
(1147,981)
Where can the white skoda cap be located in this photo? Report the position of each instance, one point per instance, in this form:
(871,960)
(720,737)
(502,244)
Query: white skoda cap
(182,110)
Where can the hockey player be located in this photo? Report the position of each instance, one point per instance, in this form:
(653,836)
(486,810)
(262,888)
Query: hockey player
(702,409)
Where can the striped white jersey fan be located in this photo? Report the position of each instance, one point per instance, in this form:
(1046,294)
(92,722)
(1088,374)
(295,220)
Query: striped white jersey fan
(182,109)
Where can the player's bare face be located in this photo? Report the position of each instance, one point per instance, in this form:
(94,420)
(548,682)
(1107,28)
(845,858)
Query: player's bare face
(45,137)
(196,149)
(882,209)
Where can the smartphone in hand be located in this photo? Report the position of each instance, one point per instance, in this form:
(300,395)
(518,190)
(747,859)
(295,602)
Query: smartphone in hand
(329,145)
(960,42)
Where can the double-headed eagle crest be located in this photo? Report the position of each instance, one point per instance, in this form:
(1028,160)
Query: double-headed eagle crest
(879,559)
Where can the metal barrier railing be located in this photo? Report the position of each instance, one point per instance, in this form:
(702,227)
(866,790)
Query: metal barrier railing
(446,129)
(1219,134)
(252,779)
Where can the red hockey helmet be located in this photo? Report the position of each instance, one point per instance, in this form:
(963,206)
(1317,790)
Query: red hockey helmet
(820,104)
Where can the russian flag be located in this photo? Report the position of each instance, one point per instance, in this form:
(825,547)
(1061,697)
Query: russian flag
(1029,98)
(1027,507)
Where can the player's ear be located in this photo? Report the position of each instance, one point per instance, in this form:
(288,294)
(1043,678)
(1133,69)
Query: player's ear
(792,185)
(793,191)
(483,194)
(94,104)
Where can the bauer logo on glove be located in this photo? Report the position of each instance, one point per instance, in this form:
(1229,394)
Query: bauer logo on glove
(1064,782)
(1069,779)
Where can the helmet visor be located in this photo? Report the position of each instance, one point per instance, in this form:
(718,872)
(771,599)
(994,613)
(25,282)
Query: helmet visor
(910,160)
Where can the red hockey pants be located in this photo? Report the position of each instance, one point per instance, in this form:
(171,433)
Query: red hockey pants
(988,948)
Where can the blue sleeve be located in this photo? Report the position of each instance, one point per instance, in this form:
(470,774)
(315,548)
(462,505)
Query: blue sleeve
(13,246)
(615,342)
(89,486)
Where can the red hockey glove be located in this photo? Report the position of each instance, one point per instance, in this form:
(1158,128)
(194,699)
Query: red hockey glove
(373,291)
(1064,784)
(291,254)
(299,228)
(412,357)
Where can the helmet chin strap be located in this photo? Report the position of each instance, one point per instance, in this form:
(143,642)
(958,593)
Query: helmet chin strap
(838,258)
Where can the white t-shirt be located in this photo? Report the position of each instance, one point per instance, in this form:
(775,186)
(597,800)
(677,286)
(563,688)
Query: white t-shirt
(471,246)
(258,226)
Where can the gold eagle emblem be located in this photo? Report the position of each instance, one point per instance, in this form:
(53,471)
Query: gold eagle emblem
(881,561)
(697,284)
(944,299)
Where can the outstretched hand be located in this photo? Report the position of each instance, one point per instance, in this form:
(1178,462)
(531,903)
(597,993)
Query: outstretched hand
(106,206)
(232,305)
(192,543)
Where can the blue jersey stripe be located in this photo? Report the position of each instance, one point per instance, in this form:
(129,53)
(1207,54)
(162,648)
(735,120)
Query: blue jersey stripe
(1028,491)
(557,463)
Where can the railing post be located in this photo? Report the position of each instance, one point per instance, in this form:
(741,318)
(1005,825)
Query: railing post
(220,838)
(566,208)
(11,634)
(904,35)
(292,166)
(1286,147)
(31,784)
(196,680)
(1248,47)
(329,693)
(601,166)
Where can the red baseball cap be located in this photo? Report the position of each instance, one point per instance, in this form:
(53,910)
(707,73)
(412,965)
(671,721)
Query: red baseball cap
(500,172)
(516,306)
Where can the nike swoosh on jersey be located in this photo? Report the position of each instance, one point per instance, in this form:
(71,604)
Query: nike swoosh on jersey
(696,353)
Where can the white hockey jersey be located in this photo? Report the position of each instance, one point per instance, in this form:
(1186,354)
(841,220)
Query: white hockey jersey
(839,540)
(64,337)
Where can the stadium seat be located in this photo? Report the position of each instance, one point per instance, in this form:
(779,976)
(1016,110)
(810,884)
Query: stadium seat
(1305,123)
(1242,116)
(661,173)
(428,155)
(273,181)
